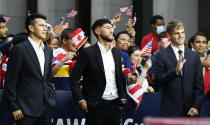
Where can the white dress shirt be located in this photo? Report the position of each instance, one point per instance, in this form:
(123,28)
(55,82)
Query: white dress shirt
(176,51)
(110,92)
(39,53)
(177,54)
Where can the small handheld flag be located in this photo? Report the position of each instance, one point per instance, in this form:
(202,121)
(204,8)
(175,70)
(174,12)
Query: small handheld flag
(147,49)
(124,9)
(71,13)
(7,18)
(78,37)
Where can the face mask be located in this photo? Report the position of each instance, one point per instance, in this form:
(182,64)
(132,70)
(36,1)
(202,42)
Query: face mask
(160,29)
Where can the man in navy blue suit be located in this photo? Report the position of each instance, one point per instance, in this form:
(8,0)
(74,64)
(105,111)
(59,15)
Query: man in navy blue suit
(179,73)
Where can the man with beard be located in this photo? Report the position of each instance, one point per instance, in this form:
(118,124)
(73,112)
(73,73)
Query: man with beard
(179,73)
(4,45)
(102,97)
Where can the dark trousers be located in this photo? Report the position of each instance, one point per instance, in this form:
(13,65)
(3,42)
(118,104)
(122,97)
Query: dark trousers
(106,113)
(44,119)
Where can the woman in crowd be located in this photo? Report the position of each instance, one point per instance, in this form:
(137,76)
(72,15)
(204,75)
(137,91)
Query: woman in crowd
(139,70)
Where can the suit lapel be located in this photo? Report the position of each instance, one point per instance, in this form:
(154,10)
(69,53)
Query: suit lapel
(99,58)
(172,56)
(187,57)
(33,55)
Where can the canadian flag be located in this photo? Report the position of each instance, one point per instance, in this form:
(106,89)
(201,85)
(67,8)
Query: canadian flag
(78,37)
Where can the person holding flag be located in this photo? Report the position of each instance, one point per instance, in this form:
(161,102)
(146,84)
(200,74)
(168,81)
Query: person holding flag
(136,90)
(63,60)
(155,21)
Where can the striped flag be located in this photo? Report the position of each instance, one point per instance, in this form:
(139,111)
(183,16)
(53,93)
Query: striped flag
(71,13)
(7,18)
(134,20)
(129,11)
(136,91)
(124,9)
(134,66)
(147,49)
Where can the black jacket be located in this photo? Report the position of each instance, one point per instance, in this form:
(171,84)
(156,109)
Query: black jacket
(26,88)
(90,65)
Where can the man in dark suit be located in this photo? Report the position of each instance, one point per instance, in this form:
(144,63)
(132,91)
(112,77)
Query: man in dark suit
(179,73)
(29,87)
(102,95)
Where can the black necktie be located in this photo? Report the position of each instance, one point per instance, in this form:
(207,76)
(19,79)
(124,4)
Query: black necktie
(180,52)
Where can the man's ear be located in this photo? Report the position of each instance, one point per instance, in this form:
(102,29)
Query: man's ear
(97,31)
(31,28)
(192,45)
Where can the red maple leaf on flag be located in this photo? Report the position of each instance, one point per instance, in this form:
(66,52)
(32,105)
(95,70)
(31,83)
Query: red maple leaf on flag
(79,37)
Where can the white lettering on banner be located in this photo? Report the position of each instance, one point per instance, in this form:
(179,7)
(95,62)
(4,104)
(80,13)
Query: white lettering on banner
(61,121)
(127,121)
(78,121)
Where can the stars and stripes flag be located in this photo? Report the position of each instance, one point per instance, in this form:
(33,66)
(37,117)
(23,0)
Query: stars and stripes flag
(7,18)
(147,49)
(124,9)
(71,13)
(135,91)
(127,10)
(78,37)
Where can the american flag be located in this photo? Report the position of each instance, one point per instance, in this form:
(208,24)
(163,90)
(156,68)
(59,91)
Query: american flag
(147,49)
(71,13)
(124,9)
(129,11)
(136,91)
(7,18)
(134,66)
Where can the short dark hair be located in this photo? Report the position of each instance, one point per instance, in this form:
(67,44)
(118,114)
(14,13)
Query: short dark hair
(2,20)
(201,34)
(99,23)
(192,39)
(155,18)
(65,34)
(131,49)
(122,32)
(30,20)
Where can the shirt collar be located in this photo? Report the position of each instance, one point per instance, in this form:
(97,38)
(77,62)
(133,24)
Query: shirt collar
(101,47)
(176,49)
(34,44)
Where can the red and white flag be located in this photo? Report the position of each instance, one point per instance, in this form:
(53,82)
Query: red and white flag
(7,18)
(135,91)
(134,20)
(124,9)
(71,13)
(129,11)
(78,37)
(147,49)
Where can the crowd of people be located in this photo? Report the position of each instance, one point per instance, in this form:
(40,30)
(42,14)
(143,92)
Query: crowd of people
(35,63)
